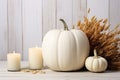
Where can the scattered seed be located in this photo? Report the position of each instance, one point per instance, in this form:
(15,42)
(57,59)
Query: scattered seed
(34,72)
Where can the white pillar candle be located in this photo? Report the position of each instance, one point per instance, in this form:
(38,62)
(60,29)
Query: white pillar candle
(35,58)
(13,61)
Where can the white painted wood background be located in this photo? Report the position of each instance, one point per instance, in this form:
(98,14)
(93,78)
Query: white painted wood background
(105,9)
(23,23)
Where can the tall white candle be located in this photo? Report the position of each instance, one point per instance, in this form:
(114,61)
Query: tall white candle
(13,61)
(35,58)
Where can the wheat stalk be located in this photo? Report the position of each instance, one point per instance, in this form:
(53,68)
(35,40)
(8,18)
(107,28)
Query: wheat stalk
(105,41)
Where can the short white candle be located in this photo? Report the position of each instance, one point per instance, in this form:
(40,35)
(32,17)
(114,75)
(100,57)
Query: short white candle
(35,58)
(13,61)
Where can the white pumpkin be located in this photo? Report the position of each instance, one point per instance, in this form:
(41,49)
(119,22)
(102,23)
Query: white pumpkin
(65,50)
(96,63)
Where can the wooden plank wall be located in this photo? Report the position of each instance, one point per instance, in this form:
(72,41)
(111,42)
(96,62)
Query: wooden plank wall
(14,22)
(105,9)
(32,25)
(3,29)
(99,8)
(23,23)
(114,12)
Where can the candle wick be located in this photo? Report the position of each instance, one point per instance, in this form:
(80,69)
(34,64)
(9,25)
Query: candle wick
(36,46)
(13,52)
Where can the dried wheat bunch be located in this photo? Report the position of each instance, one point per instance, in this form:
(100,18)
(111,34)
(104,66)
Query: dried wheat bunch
(103,39)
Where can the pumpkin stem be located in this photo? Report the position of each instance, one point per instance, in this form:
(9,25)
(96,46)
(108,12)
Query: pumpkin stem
(65,25)
(95,53)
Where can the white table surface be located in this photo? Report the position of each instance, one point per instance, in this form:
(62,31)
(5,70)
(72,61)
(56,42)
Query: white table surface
(52,75)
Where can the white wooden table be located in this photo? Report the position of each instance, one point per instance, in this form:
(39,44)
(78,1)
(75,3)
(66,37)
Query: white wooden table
(52,75)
